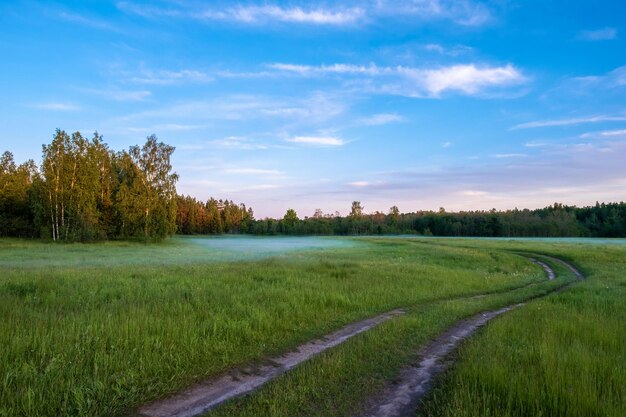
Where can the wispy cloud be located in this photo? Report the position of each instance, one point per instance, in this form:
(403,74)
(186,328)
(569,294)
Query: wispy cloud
(382,119)
(605,134)
(120,95)
(509,155)
(359,183)
(599,88)
(308,110)
(614,78)
(469,79)
(254,171)
(164,127)
(314,70)
(56,106)
(317,140)
(149,10)
(259,187)
(268,13)
(166,77)
(570,174)
(462,12)
(252,14)
(90,22)
(569,122)
(473,193)
(351,13)
(534,144)
(365,184)
(604,34)
(449,51)
(238,143)
(613,133)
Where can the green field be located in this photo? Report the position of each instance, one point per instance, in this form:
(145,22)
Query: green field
(99,329)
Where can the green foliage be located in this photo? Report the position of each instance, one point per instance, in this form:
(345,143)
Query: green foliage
(83,191)
(290,221)
(357,210)
(16,214)
(213,217)
(601,220)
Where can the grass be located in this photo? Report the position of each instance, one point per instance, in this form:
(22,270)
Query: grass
(83,334)
(86,335)
(560,356)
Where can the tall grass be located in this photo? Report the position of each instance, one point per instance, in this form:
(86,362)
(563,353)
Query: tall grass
(96,330)
(562,356)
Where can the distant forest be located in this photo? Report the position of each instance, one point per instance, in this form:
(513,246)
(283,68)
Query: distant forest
(601,220)
(84,191)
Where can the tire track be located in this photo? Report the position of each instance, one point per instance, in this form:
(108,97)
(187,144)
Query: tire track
(404,396)
(211,393)
(240,381)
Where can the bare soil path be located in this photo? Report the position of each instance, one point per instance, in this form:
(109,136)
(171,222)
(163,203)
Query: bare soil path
(213,392)
(404,396)
(398,400)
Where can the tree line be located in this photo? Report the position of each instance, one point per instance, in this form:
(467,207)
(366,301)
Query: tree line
(558,220)
(212,217)
(83,190)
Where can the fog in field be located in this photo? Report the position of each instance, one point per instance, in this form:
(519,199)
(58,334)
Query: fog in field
(252,247)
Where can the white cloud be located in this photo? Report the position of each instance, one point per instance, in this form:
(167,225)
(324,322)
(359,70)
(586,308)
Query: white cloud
(604,34)
(253,14)
(262,14)
(446,144)
(469,79)
(382,119)
(317,140)
(569,122)
(352,13)
(57,106)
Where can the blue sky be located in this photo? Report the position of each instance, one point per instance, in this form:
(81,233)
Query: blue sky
(420,103)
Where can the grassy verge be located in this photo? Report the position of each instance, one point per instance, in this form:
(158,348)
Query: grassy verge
(561,356)
(95,330)
(341,381)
